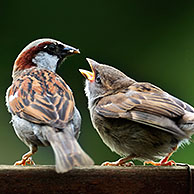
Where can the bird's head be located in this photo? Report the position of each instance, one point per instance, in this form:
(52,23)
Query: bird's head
(103,80)
(43,53)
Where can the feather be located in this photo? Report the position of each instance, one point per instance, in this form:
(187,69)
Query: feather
(42,97)
(147,104)
(68,152)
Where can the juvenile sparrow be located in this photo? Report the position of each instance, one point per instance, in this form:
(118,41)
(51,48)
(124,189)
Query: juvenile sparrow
(42,104)
(137,120)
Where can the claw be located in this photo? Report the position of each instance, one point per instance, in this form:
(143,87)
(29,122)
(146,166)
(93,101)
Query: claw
(164,161)
(169,163)
(26,158)
(120,162)
(21,163)
(30,161)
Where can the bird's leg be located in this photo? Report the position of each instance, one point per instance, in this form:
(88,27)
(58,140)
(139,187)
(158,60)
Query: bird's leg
(120,162)
(26,158)
(164,161)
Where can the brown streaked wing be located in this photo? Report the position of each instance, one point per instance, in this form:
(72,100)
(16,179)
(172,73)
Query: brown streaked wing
(42,97)
(145,104)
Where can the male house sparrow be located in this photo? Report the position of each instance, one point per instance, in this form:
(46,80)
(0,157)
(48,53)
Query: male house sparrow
(42,104)
(136,120)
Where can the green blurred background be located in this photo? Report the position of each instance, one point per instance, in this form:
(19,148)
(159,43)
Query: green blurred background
(149,40)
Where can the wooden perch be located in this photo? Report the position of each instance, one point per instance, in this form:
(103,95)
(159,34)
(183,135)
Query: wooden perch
(97,179)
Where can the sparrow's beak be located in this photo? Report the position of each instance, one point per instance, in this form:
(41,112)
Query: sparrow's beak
(71,50)
(87,74)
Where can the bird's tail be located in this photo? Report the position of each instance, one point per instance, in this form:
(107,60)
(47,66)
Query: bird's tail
(68,152)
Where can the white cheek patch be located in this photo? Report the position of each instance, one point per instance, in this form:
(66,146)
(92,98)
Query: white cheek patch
(12,97)
(46,61)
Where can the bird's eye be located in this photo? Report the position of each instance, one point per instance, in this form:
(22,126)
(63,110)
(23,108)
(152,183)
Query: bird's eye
(51,47)
(97,79)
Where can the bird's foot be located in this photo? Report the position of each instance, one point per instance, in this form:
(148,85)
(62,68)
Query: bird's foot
(121,162)
(30,161)
(167,163)
(21,163)
(26,159)
(128,164)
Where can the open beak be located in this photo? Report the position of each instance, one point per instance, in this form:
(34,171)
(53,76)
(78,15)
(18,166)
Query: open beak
(87,74)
